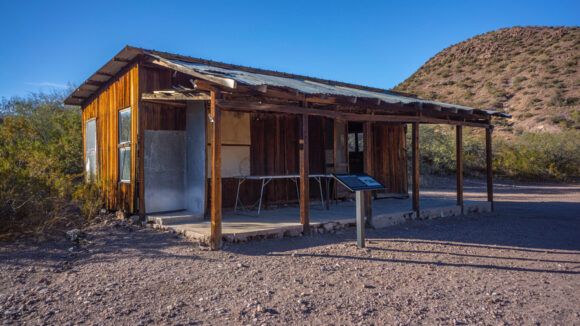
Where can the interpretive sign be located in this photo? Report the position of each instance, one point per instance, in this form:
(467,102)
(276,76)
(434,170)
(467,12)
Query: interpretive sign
(359,181)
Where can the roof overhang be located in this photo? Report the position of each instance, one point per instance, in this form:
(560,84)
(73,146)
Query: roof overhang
(102,76)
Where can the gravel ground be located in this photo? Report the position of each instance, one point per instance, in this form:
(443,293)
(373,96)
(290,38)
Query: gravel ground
(520,265)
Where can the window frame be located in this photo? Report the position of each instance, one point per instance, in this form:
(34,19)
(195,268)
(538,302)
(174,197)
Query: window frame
(123,145)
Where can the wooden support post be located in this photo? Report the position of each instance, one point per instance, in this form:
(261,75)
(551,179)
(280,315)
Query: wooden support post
(459,163)
(368,168)
(488,161)
(304,176)
(216,176)
(415,176)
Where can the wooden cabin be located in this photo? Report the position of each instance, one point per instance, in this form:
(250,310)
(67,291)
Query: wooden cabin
(150,120)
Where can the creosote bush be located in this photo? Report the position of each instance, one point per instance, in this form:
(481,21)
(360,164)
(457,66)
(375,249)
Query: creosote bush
(527,156)
(40,162)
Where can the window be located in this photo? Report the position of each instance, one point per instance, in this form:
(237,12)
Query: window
(125,145)
(355,142)
(91,149)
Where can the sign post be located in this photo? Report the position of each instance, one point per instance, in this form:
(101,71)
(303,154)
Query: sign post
(360,219)
(359,183)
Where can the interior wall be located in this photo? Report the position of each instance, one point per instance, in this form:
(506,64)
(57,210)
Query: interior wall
(390,156)
(195,158)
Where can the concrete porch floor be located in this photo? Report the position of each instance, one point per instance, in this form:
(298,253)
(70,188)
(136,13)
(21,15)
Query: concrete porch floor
(285,221)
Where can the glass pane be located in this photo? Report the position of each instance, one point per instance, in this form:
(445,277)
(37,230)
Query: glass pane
(360,142)
(91,135)
(125,164)
(91,149)
(91,165)
(125,126)
(352,143)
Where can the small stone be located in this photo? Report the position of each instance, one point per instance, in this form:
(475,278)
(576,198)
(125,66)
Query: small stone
(74,235)
(135,219)
(121,215)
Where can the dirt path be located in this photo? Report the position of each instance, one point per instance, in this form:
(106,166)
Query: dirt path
(520,265)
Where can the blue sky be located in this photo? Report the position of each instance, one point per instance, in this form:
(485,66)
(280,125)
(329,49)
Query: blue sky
(48,44)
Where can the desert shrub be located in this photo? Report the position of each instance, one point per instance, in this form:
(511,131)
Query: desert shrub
(527,156)
(539,156)
(40,160)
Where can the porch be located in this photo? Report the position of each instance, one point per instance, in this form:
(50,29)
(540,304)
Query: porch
(277,222)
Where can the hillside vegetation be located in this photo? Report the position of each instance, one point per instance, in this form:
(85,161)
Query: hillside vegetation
(531,73)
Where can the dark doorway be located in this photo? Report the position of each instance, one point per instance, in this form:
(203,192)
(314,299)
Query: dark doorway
(355,147)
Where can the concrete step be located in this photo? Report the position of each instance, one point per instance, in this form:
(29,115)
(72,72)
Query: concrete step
(174,218)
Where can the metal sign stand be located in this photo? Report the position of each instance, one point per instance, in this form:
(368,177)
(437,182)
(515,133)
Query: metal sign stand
(359,183)
(360,218)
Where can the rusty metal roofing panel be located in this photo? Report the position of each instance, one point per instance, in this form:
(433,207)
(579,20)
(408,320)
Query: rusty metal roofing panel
(306,86)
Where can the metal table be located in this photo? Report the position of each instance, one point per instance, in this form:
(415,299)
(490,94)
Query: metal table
(265,179)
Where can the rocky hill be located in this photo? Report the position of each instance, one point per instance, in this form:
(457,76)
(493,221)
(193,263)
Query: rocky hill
(532,73)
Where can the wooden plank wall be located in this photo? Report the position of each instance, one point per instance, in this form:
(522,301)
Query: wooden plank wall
(390,156)
(159,116)
(121,92)
(274,151)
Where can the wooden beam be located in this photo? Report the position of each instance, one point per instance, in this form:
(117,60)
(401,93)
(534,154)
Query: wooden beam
(368,167)
(415,173)
(454,122)
(103,74)
(168,103)
(293,109)
(216,176)
(227,82)
(489,168)
(121,60)
(304,175)
(459,163)
(175,97)
(245,106)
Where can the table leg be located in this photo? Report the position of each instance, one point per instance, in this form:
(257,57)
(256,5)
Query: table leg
(297,190)
(261,194)
(320,187)
(238,195)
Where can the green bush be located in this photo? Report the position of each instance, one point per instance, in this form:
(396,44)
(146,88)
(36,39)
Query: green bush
(527,156)
(40,160)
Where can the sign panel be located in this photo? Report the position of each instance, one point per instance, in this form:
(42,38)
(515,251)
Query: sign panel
(359,181)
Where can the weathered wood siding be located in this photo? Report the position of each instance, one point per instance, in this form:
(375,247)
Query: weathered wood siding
(390,156)
(120,93)
(274,151)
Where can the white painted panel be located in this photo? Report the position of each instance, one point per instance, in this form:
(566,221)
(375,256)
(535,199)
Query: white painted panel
(235,128)
(235,161)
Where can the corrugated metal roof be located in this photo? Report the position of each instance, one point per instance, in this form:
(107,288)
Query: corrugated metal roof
(252,77)
(306,86)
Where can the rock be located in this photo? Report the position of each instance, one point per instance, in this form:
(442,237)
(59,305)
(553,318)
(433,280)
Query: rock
(74,235)
(329,227)
(121,215)
(135,219)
